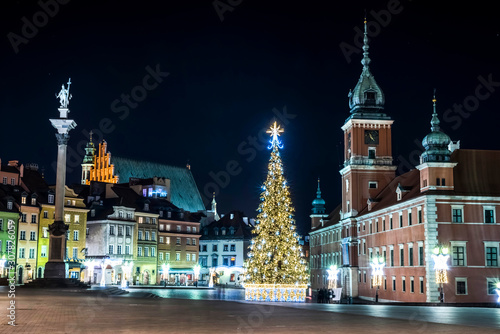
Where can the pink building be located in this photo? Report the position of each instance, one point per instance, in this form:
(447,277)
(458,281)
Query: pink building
(451,200)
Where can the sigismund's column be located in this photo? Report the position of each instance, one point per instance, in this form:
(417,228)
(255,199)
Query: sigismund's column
(56,267)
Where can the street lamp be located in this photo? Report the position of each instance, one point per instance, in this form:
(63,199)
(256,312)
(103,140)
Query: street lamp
(166,270)
(497,285)
(196,273)
(3,261)
(90,264)
(211,282)
(127,270)
(332,276)
(377,264)
(440,258)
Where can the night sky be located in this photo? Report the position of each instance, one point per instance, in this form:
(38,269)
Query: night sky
(225,78)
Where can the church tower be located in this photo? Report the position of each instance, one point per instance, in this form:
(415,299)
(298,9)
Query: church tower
(88,161)
(367,142)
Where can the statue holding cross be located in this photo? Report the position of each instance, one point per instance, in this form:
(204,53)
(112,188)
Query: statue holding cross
(64,96)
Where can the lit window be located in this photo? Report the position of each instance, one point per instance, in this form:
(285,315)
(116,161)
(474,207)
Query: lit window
(67,218)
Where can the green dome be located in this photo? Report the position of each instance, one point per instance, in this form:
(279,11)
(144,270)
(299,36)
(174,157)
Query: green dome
(318,201)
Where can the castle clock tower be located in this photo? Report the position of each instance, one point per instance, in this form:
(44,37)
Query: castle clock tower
(367,143)
(367,163)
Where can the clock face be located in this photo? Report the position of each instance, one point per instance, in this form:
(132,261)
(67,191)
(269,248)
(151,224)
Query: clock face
(371,136)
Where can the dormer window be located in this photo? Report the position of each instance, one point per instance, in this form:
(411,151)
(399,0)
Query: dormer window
(370,96)
(9,205)
(223,231)
(146,206)
(33,200)
(23,198)
(92,213)
(51,199)
(231,230)
(216,231)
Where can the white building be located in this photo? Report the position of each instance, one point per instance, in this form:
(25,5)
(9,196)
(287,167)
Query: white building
(224,246)
(110,235)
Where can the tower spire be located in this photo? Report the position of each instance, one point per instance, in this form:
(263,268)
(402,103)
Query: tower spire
(318,203)
(366,59)
(214,208)
(435,120)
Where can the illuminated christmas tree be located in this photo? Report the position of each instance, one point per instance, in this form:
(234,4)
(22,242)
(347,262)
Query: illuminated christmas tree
(275,256)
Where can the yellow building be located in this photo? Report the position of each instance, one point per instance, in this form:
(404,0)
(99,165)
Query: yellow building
(75,215)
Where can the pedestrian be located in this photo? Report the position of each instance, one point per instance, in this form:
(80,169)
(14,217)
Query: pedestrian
(320,295)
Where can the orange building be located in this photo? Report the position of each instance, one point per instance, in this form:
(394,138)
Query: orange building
(451,200)
(98,167)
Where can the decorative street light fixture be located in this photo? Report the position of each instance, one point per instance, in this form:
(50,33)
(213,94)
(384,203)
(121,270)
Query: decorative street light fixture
(332,276)
(497,285)
(90,264)
(166,270)
(377,264)
(196,274)
(127,271)
(440,258)
(211,282)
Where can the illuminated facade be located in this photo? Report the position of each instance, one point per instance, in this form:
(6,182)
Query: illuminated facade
(178,241)
(451,199)
(224,247)
(75,215)
(9,216)
(100,169)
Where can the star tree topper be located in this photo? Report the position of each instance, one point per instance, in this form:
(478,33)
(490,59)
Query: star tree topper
(275,130)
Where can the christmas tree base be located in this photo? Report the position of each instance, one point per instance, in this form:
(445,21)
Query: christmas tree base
(276,293)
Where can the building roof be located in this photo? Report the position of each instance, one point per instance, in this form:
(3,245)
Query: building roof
(332,219)
(183,190)
(476,173)
(241,229)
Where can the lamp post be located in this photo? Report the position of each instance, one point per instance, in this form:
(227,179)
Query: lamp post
(196,270)
(166,270)
(3,261)
(332,276)
(90,264)
(440,258)
(377,264)
(127,271)
(211,282)
(497,290)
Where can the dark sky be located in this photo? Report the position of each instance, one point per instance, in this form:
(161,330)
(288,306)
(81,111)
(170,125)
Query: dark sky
(226,78)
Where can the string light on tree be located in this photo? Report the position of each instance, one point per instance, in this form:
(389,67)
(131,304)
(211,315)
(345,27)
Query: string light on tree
(276,269)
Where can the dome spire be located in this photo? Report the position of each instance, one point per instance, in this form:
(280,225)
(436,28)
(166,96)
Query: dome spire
(366,59)
(366,100)
(435,120)
(435,143)
(318,203)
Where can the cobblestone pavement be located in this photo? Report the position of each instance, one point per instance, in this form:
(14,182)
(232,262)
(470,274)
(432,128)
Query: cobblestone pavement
(51,311)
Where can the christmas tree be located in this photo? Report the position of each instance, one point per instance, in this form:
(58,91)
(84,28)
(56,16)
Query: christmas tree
(275,255)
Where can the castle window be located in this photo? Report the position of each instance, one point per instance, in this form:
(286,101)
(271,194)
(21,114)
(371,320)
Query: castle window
(371,153)
(437,182)
(443,183)
(372,184)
